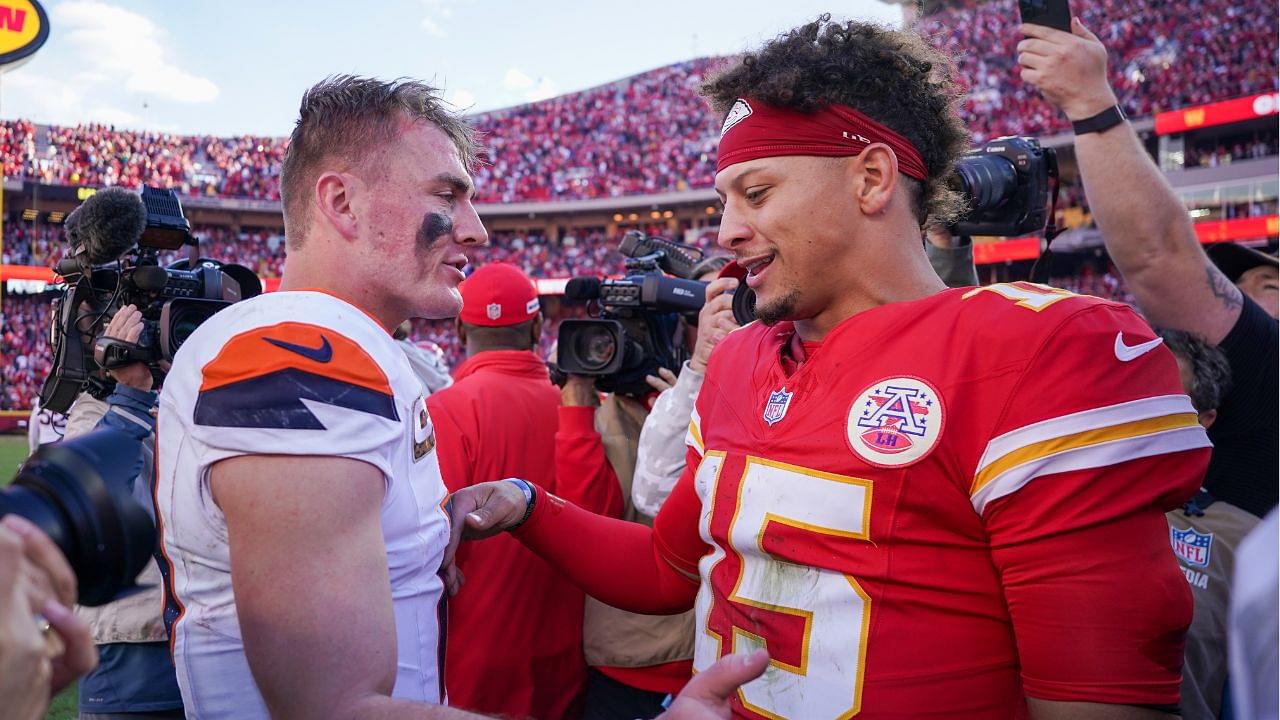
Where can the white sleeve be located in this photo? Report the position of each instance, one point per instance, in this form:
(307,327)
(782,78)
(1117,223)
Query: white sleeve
(296,389)
(660,458)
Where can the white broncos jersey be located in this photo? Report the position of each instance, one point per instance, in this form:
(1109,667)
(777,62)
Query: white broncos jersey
(293,373)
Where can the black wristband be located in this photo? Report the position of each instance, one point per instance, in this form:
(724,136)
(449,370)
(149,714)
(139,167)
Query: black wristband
(1104,120)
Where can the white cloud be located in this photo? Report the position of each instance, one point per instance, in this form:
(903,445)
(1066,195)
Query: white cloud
(519,83)
(543,90)
(131,49)
(436,12)
(463,100)
(516,80)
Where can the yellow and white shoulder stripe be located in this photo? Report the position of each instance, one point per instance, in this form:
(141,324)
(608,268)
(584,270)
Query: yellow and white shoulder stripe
(1084,440)
(693,438)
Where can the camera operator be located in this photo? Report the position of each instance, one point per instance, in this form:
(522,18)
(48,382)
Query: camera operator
(135,676)
(1152,242)
(43,645)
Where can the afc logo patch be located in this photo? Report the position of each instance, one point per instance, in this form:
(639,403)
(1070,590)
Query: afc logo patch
(1190,546)
(895,422)
(424,432)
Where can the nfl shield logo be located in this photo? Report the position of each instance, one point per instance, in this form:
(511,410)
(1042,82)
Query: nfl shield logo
(776,408)
(493,310)
(1190,546)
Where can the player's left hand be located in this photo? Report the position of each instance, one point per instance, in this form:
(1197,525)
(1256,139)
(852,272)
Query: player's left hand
(706,696)
(1069,69)
(478,512)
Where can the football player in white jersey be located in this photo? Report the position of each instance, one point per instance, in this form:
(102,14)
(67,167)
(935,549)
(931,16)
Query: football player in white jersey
(298,493)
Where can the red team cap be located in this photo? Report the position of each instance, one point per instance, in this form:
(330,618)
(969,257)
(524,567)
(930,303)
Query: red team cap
(753,130)
(498,295)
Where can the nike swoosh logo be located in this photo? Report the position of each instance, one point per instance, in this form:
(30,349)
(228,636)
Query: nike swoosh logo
(322,354)
(1125,353)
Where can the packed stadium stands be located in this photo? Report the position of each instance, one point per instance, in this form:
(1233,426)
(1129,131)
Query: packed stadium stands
(651,133)
(1163,55)
(24,350)
(646,134)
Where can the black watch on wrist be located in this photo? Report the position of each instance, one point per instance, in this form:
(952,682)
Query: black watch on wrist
(1104,120)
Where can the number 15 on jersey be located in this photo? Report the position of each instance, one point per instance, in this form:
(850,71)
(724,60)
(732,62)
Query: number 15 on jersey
(778,578)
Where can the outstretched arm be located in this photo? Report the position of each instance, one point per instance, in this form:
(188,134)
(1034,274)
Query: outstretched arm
(627,565)
(1145,227)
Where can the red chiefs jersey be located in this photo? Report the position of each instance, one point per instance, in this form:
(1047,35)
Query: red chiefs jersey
(951,504)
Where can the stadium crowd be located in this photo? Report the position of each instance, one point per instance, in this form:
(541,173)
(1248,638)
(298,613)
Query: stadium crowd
(651,133)
(24,350)
(1162,56)
(1065,465)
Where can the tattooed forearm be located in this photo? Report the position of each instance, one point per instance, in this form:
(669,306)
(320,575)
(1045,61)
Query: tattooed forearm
(1223,289)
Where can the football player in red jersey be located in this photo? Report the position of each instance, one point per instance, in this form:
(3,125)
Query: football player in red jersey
(923,502)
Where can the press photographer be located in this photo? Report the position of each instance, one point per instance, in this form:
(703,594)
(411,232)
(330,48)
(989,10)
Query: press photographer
(71,533)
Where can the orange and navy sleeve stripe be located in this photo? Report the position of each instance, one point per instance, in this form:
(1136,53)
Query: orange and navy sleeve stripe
(260,378)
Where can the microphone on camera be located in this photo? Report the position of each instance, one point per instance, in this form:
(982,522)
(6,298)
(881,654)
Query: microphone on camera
(107,225)
(582,289)
(677,259)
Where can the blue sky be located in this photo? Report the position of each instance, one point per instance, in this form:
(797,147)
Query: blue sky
(236,67)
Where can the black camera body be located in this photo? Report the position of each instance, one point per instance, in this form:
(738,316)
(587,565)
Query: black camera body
(634,331)
(78,492)
(116,237)
(1006,186)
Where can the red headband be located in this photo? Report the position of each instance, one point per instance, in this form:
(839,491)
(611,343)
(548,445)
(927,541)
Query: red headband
(753,130)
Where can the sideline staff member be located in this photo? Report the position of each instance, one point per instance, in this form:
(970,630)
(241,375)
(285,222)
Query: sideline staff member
(517,620)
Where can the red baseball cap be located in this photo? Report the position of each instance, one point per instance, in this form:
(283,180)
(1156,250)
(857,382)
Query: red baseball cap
(497,295)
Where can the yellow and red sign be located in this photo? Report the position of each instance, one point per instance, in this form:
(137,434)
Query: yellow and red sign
(24,26)
(1219,113)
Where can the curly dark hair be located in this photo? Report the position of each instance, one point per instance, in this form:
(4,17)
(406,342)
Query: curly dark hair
(1210,371)
(892,76)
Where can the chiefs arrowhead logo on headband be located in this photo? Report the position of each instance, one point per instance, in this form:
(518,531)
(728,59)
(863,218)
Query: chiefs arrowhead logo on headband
(832,131)
(740,111)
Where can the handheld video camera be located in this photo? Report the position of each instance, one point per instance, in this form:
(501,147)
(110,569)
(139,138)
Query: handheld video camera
(115,238)
(634,332)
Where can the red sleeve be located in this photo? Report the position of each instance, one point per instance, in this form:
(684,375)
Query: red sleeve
(1095,442)
(583,473)
(623,564)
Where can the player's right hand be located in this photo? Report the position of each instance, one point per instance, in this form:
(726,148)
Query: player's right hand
(126,325)
(478,512)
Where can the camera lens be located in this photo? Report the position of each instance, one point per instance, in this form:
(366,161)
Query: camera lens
(185,322)
(987,181)
(77,493)
(596,346)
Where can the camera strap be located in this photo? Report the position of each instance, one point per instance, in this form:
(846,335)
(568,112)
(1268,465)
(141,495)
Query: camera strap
(1040,269)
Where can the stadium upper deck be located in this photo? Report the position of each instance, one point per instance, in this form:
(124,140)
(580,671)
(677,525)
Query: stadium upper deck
(651,134)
